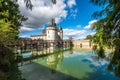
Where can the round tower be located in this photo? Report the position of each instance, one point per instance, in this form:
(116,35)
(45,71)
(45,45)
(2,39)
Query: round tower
(51,31)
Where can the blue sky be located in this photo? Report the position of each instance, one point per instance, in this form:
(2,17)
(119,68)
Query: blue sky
(75,16)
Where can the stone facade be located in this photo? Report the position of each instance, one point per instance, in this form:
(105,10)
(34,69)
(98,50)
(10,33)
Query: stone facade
(51,33)
(82,43)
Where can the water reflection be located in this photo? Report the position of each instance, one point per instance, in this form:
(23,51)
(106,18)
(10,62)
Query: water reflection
(54,59)
(69,65)
(71,51)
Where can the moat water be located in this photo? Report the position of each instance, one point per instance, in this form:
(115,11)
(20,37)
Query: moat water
(68,65)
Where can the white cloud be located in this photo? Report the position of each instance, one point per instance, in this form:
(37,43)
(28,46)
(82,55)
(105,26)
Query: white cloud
(23,29)
(73,13)
(92,33)
(71,3)
(42,12)
(76,34)
(24,36)
(90,24)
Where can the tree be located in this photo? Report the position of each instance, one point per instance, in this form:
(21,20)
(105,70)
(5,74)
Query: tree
(10,20)
(109,25)
(111,11)
(89,37)
(98,40)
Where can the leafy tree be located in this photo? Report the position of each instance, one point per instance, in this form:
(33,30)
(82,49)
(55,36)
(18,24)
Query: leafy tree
(98,46)
(89,37)
(10,20)
(109,26)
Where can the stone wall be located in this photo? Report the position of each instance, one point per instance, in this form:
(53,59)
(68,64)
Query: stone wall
(83,43)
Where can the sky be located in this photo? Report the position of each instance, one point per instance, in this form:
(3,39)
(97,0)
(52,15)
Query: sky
(75,17)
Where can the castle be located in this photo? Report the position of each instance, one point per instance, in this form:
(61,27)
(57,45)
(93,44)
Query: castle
(51,33)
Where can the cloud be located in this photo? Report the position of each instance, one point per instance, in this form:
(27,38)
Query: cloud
(90,24)
(79,33)
(23,29)
(42,12)
(71,3)
(76,34)
(92,33)
(73,13)
(23,36)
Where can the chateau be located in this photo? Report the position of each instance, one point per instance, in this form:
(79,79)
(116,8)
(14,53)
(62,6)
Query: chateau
(51,33)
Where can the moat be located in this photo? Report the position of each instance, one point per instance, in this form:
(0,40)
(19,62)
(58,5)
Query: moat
(68,65)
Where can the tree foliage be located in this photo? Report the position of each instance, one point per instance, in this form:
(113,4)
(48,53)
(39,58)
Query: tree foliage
(109,26)
(10,20)
(89,37)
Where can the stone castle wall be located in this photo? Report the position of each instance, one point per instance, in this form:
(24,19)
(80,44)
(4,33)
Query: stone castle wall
(84,43)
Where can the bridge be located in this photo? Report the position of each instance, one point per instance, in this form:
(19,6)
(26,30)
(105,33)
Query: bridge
(38,45)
